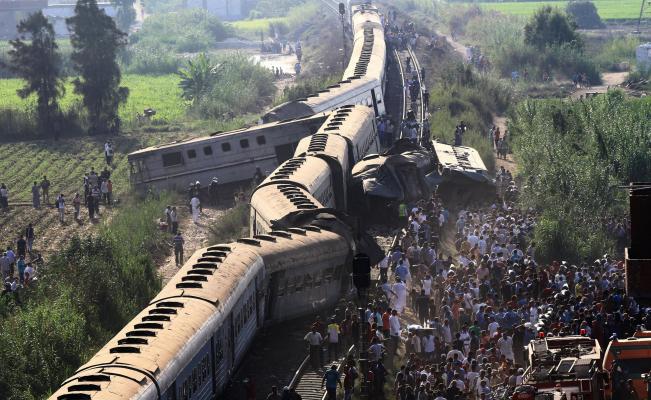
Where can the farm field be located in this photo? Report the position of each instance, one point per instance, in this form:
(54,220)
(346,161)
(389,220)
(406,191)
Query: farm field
(608,9)
(161,93)
(64,162)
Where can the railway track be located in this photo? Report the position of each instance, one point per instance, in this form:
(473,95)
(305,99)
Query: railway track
(307,381)
(413,109)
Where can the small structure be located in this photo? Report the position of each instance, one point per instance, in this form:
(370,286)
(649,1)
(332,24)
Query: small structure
(643,56)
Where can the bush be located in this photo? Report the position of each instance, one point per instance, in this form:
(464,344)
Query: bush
(307,86)
(231,226)
(578,154)
(614,53)
(191,30)
(240,85)
(585,14)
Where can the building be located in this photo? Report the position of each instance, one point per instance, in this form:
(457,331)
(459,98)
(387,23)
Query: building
(643,56)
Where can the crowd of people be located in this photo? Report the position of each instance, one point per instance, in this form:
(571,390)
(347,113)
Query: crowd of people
(19,267)
(454,326)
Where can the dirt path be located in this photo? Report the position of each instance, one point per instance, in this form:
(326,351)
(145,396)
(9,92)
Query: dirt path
(609,79)
(195,235)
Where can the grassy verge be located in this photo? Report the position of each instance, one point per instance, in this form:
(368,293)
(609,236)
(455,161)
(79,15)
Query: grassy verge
(232,225)
(296,17)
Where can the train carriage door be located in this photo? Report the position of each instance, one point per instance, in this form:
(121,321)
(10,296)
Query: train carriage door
(377,113)
(285,151)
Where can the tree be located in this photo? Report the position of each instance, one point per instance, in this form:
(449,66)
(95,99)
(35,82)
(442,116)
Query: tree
(585,14)
(198,78)
(551,27)
(34,57)
(96,40)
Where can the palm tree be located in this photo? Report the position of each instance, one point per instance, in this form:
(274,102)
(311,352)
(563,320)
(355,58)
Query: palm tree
(198,78)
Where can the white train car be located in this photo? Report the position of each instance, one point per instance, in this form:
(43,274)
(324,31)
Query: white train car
(231,157)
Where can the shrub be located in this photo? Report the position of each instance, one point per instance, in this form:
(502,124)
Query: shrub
(190,30)
(585,14)
(231,226)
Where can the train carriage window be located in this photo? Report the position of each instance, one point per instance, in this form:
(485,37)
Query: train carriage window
(261,140)
(204,369)
(195,380)
(192,153)
(327,274)
(290,286)
(317,279)
(281,289)
(298,283)
(219,351)
(308,281)
(207,150)
(172,159)
(244,143)
(226,146)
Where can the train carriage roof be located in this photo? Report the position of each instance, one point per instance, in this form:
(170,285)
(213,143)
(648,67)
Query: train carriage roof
(166,333)
(277,201)
(305,171)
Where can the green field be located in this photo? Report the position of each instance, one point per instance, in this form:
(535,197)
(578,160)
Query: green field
(161,93)
(608,9)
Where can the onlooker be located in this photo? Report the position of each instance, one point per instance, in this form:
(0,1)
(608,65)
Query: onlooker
(178,243)
(45,190)
(36,195)
(61,207)
(29,235)
(76,203)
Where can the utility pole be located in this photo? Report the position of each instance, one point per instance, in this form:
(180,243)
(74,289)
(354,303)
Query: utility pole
(639,20)
(342,15)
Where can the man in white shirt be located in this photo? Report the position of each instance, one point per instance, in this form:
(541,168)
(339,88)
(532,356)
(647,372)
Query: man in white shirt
(394,331)
(195,203)
(505,345)
(428,345)
(492,327)
(314,339)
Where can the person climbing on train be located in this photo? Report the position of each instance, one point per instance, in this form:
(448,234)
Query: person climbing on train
(178,243)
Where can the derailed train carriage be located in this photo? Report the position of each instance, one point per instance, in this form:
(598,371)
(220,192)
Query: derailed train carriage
(187,342)
(233,157)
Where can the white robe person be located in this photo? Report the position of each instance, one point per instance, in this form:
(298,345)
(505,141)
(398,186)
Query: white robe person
(194,202)
(400,296)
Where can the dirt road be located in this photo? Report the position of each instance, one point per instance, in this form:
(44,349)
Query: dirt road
(195,235)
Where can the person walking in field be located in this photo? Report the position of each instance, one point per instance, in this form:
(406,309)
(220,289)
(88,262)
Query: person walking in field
(104,189)
(178,242)
(45,190)
(195,204)
(76,203)
(29,235)
(61,206)
(36,195)
(90,205)
(4,196)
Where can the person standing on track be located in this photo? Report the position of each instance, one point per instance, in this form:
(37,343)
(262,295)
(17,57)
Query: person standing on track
(331,379)
(314,339)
